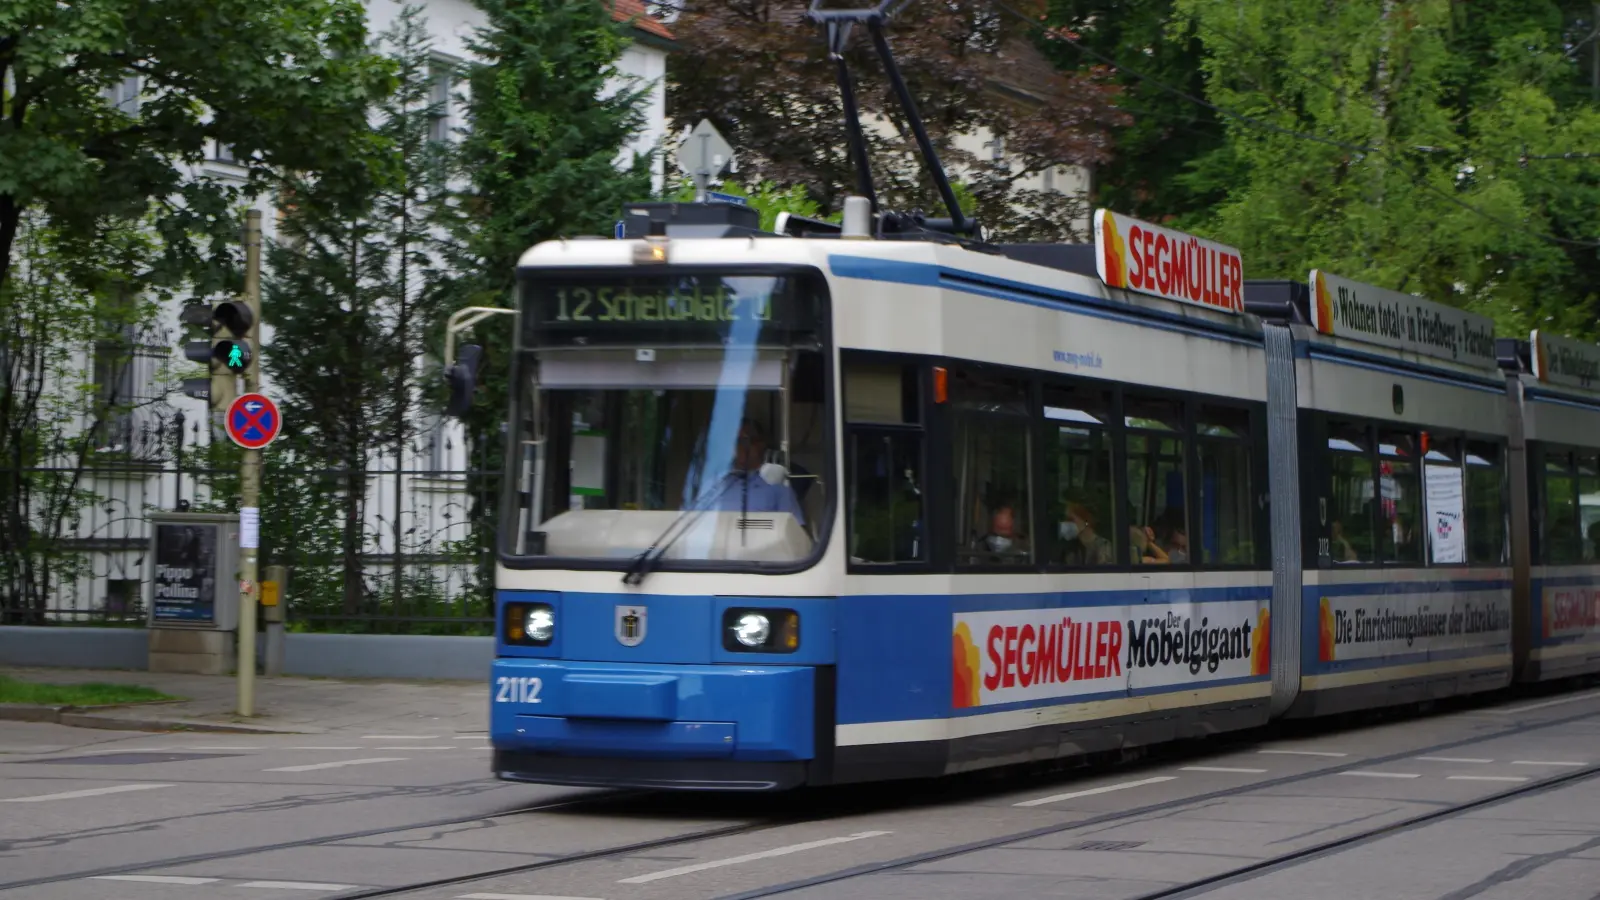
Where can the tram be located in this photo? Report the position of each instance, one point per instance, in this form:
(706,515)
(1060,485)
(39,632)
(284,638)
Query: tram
(803,508)
(839,503)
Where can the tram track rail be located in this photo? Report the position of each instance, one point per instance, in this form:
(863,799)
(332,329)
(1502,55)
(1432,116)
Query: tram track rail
(1205,885)
(756,824)
(573,805)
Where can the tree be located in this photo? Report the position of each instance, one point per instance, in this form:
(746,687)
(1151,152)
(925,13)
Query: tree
(761,73)
(1170,159)
(548,116)
(349,283)
(105,107)
(1388,143)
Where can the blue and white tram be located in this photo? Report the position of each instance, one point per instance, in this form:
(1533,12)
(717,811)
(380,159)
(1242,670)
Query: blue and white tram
(1397,558)
(1556,490)
(789,511)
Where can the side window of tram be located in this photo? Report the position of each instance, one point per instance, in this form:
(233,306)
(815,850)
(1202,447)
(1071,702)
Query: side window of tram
(1227,503)
(884,458)
(1486,506)
(1400,498)
(1082,497)
(993,489)
(1559,529)
(1348,523)
(1156,492)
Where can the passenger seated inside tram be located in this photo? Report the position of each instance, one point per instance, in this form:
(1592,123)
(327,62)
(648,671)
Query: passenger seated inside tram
(744,488)
(1004,543)
(1173,538)
(1081,544)
(1145,549)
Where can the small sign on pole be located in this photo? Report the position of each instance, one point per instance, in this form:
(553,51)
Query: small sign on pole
(704,156)
(719,197)
(253,421)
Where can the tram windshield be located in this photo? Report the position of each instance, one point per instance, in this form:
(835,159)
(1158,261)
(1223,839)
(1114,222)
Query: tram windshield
(670,417)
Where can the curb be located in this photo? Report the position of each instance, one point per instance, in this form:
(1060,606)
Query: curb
(86,717)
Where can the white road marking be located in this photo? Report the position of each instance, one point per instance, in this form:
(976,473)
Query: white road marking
(1486,778)
(1546,704)
(1548,762)
(334,765)
(399,737)
(1223,769)
(517,897)
(1056,798)
(220,747)
(414,747)
(1454,759)
(322,748)
(751,857)
(1328,753)
(472,737)
(297,886)
(89,792)
(155,879)
(1363,774)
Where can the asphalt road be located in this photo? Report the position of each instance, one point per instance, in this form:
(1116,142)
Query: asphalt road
(1491,802)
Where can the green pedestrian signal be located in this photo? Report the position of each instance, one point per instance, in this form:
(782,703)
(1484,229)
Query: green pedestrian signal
(234,355)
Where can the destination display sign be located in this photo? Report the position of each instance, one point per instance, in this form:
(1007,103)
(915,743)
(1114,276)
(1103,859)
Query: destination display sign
(1149,259)
(681,308)
(1360,312)
(1562,360)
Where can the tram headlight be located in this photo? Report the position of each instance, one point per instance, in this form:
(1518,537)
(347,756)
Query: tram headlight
(752,629)
(761,630)
(540,624)
(530,624)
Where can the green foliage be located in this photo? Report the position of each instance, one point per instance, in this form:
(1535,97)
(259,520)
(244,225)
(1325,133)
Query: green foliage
(1398,143)
(1166,153)
(103,215)
(768,199)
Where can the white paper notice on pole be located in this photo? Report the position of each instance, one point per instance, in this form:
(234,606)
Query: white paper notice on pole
(249,528)
(1446,534)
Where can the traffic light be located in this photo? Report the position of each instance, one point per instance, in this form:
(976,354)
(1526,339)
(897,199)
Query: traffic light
(231,354)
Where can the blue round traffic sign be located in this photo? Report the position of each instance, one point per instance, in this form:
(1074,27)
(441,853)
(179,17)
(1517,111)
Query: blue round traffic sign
(253,421)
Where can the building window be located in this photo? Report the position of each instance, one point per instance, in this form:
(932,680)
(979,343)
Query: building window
(124,95)
(442,80)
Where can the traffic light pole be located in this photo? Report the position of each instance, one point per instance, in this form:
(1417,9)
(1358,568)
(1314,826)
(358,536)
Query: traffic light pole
(250,478)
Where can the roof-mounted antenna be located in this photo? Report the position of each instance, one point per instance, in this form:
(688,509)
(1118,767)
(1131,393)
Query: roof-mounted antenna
(838,23)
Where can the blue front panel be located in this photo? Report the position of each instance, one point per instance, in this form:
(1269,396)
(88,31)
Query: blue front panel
(1390,624)
(918,657)
(746,712)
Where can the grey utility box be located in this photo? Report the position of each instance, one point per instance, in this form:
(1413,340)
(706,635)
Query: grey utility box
(193,594)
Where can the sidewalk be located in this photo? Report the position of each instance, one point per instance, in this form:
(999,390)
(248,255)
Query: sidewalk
(282,705)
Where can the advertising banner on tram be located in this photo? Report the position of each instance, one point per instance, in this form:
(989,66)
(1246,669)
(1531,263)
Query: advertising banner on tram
(1570,611)
(1039,654)
(1149,259)
(1360,312)
(1371,626)
(1564,361)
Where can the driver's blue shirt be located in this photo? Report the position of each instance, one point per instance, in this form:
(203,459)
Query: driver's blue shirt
(762,497)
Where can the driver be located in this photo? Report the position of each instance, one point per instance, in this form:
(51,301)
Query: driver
(745,489)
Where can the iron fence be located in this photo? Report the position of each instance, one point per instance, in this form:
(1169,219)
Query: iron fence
(403,545)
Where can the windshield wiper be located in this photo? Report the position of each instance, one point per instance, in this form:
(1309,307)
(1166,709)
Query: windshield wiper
(644,563)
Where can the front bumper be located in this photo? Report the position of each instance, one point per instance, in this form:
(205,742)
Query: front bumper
(651,725)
